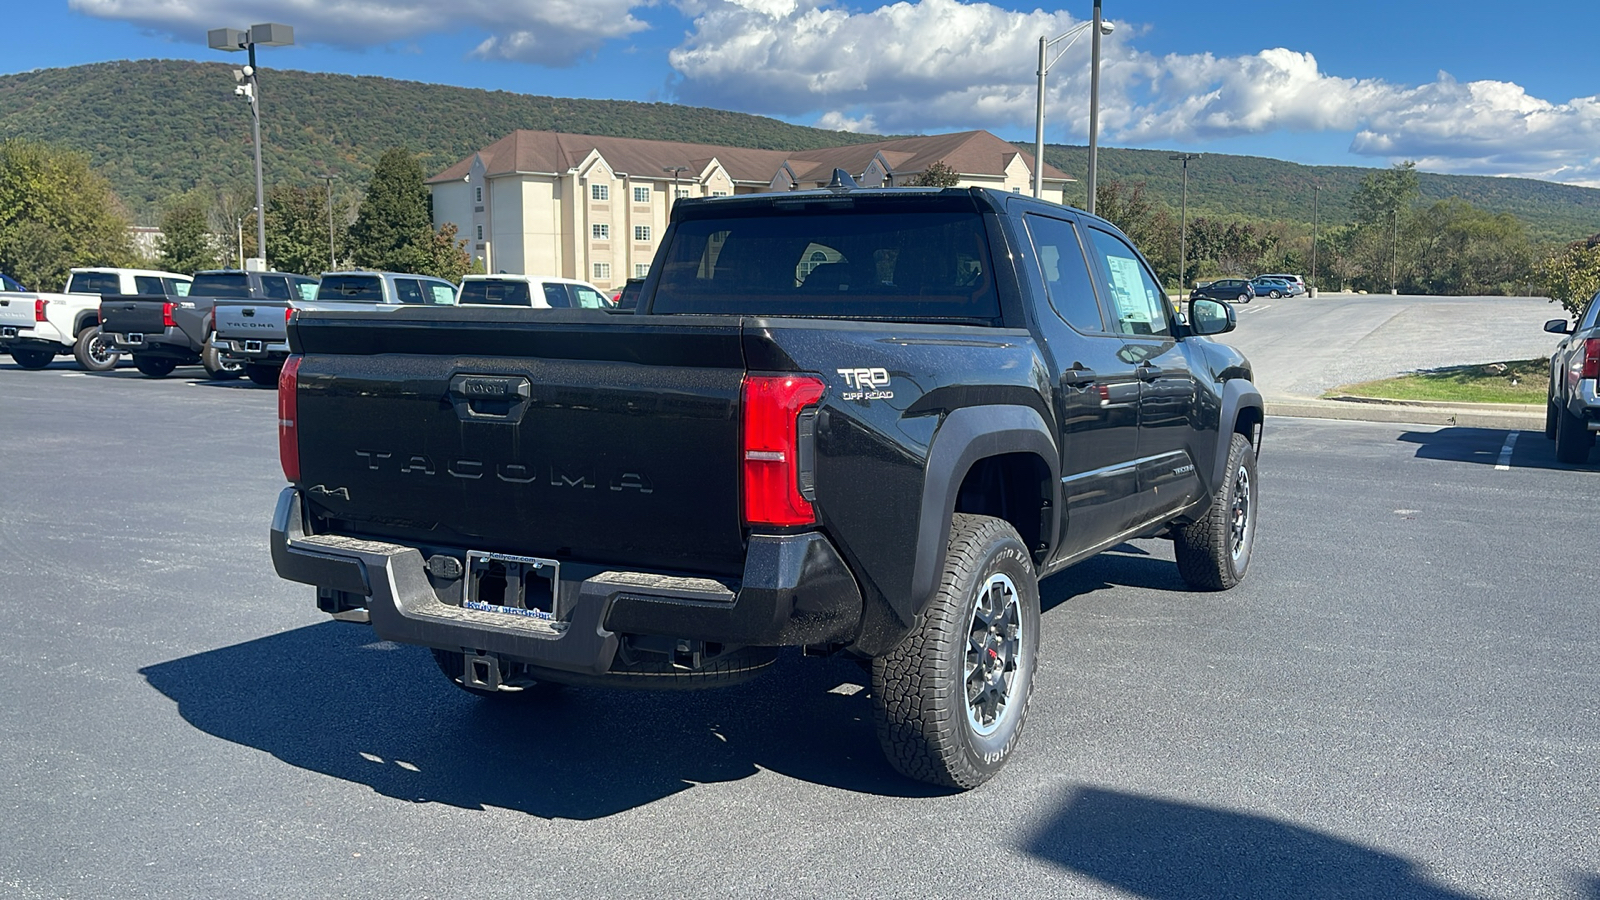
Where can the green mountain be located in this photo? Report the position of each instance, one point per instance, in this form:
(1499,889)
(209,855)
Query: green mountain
(160,127)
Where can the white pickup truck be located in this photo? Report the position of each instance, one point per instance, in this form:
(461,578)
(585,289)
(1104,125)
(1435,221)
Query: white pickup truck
(35,327)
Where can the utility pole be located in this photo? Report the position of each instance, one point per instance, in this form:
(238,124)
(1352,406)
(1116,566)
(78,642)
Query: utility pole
(1183,227)
(1394,253)
(1094,103)
(1316,191)
(329,180)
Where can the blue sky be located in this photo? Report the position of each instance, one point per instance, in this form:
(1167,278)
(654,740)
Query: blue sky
(1459,87)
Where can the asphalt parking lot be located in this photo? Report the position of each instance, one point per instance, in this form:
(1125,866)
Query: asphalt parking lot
(1402,700)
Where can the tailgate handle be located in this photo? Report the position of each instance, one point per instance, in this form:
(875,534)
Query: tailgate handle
(493,398)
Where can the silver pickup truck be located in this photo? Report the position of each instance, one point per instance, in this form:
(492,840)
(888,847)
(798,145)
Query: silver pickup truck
(1572,408)
(256,332)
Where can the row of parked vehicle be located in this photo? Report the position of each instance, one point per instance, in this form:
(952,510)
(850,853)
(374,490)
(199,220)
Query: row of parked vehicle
(1243,290)
(234,322)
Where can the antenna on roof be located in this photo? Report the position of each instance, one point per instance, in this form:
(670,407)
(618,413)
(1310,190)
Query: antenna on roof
(842,181)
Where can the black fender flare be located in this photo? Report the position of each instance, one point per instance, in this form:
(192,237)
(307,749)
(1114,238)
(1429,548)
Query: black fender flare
(1238,394)
(966,436)
(86,319)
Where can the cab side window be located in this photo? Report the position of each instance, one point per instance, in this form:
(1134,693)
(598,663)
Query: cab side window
(408,290)
(1066,275)
(274,288)
(1138,306)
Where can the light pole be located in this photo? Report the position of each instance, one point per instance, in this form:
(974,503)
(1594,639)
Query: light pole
(1094,102)
(1071,36)
(1183,227)
(675,170)
(1316,192)
(329,179)
(1394,253)
(232,39)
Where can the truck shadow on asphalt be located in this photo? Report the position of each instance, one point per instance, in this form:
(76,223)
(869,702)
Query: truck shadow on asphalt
(1167,850)
(1484,445)
(329,699)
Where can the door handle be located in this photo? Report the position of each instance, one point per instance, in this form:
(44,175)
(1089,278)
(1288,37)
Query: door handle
(1078,376)
(1146,372)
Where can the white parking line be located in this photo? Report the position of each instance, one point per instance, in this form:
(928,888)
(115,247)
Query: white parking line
(74,374)
(1505,452)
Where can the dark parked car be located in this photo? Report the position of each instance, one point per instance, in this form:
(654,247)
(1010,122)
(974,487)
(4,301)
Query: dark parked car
(1572,411)
(1236,290)
(1271,287)
(7,283)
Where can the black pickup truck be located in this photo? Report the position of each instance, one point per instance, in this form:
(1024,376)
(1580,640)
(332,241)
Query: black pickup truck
(860,422)
(163,333)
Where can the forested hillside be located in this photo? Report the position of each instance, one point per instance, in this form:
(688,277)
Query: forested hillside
(157,128)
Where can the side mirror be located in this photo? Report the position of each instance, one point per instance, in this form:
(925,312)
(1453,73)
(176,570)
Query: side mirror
(1211,316)
(1558,326)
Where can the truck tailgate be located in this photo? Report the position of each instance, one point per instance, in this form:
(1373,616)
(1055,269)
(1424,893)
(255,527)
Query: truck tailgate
(243,320)
(17,310)
(561,435)
(133,314)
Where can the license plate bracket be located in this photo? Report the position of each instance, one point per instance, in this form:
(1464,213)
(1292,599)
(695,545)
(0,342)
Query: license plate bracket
(252,346)
(504,583)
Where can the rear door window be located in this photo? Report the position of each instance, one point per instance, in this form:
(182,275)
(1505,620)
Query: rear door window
(148,284)
(555,294)
(440,293)
(585,297)
(275,287)
(1066,274)
(1137,304)
(305,288)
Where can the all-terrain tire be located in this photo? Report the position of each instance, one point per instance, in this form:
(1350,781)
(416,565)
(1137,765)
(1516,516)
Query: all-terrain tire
(33,359)
(264,375)
(154,366)
(93,352)
(1573,437)
(1214,552)
(951,698)
(218,369)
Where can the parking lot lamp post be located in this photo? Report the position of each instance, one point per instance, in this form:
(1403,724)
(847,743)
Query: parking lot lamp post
(329,179)
(1183,222)
(233,39)
(1071,36)
(676,171)
(1094,102)
(1316,191)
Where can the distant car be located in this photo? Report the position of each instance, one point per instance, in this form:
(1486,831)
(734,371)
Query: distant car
(1271,287)
(536,291)
(7,283)
(1572,403)
(1236,290)
(1295,281)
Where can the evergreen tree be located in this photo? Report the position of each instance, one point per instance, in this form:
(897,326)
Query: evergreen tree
(56,213)
(187,243)
(297,230)
(394,226)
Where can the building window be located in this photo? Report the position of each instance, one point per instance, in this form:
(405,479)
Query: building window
(641,195)
(719,193)
(478,193)
(602,271)
(640,270)
(599,192)
(600,232)
(681,193)
(480,232)
(641,232)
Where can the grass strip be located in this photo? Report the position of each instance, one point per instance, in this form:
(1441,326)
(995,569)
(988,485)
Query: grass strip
(1513,381)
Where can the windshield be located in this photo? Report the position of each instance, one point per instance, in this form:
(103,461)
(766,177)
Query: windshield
(229,285)
(827,258)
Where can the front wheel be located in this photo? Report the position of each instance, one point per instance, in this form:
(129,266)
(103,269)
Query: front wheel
(1573,437)
(1274,294)
(217,368)
(33,359)
(154,366)
(950,698)
(264,375)
(93,352)
(1214,552)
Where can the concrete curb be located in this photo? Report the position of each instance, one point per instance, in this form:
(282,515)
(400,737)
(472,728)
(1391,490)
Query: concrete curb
(1508,416)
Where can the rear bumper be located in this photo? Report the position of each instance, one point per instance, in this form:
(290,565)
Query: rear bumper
(796,590)
(34,336)
(253,350)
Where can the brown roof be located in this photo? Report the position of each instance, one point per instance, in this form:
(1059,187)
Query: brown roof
(967,152)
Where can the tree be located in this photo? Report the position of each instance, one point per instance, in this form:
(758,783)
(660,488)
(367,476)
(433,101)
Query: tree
(936,175)
(1150,227)
(1382,207)
(1456,248)
(1570,275)
(297,230)
(56,212)
(187,242)
(394,223)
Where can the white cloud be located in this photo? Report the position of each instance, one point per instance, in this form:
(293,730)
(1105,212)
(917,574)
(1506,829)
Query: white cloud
(546,32)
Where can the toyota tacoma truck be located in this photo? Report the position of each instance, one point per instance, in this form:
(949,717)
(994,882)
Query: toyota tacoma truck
(1572,402)
(860,422)
(162,333)
(254,333)
(35,328)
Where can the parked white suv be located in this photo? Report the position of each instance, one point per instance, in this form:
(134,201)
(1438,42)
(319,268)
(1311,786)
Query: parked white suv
(35,327)
(535,291)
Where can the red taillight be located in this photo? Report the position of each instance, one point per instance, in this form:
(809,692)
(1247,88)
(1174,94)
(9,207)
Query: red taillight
(38,309)
(288,412)
(166,315)
(771,448)
(288,314)
(1591,358)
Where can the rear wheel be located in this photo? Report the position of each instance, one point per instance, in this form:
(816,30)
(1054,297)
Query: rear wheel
(950,699)
(264,375)
(154,366)
(33,359)
(217,368)
(93,352)
(1274,294)
(1573,437)
(1214,552)
(1244,298)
